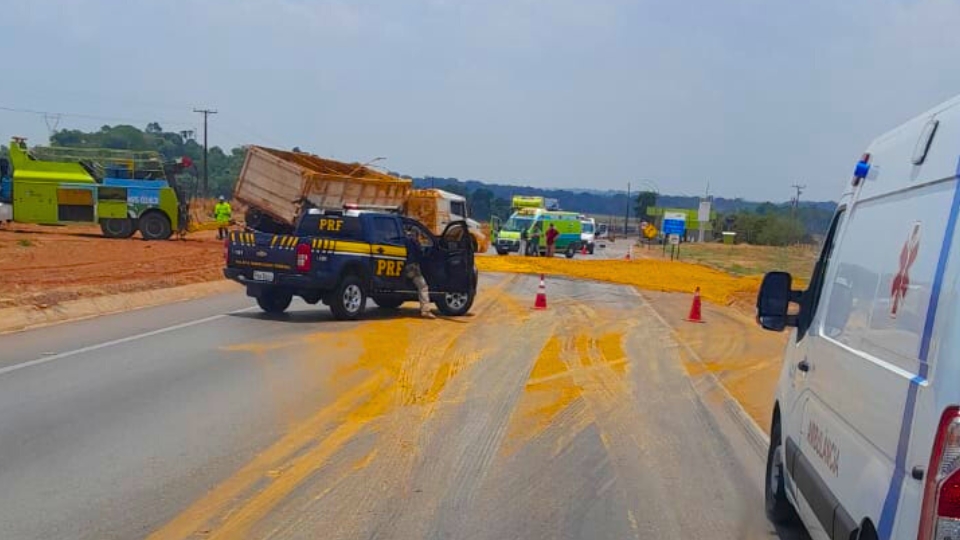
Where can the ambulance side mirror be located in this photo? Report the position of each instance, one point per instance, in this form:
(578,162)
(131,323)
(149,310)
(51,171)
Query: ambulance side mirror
(773,302)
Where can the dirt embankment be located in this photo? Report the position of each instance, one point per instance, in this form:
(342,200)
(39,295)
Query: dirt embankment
(44,266)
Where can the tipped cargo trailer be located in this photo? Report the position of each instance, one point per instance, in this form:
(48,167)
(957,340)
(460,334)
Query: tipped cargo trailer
(278,186)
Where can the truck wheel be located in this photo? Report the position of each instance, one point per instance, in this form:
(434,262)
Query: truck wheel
(349,299)
(388,303)
(779,509)
(570,251)
(274,301)
(502,251)
(117,228)
(456,304)
(155,226)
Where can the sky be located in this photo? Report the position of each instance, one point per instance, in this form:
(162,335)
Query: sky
(745,96)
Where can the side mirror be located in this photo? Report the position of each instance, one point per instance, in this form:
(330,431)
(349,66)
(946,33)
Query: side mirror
(773,302)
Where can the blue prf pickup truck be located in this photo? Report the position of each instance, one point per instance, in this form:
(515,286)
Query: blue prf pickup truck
(341,258)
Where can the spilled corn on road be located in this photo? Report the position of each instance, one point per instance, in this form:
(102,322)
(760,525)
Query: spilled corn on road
(207,420)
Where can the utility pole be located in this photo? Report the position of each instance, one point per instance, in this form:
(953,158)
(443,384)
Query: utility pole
(796,200)
(205,113)
(626,218)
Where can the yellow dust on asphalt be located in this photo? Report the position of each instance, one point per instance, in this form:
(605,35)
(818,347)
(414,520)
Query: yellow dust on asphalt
(580,363)
(653,275)
(402,365)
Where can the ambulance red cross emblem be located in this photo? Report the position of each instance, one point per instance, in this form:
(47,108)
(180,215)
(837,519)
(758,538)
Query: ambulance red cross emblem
(901,281)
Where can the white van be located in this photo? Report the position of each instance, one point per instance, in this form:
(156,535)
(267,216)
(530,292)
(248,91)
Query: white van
(865,434)
(588,231)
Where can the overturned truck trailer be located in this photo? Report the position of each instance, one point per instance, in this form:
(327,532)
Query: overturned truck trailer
(278,186)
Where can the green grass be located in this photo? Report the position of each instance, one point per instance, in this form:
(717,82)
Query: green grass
(24,243)
(747,260)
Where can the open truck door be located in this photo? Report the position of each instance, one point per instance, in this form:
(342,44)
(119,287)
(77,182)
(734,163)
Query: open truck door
(455,258)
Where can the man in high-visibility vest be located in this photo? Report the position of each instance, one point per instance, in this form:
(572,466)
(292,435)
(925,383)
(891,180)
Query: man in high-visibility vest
(223,213)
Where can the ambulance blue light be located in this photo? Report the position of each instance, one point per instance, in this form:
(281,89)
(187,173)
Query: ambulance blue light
(861,169)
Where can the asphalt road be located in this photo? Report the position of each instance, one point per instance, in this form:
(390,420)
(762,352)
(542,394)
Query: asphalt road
(206,420)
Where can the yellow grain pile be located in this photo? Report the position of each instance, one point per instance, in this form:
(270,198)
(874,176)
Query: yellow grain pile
(670,276)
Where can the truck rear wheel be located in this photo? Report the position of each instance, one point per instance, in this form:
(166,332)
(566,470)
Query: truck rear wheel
(501,251)
(349,299)
(155,226)
(274,301)
(117,228)
(570,251)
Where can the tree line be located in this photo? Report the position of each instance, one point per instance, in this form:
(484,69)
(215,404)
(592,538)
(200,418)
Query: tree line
(754,222)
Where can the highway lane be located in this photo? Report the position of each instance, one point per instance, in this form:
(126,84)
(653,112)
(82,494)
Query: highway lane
(203,421)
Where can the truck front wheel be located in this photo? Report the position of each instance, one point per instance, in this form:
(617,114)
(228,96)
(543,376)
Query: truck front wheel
(117,228)
(274,301)
(349,300)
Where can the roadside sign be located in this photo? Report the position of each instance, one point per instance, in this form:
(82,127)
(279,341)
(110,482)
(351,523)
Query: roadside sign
(674,239)
(703,213)
(674,223)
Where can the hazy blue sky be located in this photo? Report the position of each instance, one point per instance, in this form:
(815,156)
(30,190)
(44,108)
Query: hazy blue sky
(750,95)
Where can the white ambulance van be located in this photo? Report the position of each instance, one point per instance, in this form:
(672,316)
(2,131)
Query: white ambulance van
(865,433)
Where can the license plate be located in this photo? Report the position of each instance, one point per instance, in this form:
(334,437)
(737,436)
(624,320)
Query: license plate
(262,276)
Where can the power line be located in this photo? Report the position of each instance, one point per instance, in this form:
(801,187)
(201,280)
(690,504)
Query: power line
(205,113)
(89,116)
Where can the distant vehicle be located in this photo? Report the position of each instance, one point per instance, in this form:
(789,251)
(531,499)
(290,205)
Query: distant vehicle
(865,433)
(603,231)
(567,223)
(343,257)
(122,191)
(279,186)
(588,233)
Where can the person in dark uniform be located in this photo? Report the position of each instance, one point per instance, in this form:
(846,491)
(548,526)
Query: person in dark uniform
(412,272)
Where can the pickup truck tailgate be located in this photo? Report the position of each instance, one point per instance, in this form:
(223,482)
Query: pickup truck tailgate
(263,254)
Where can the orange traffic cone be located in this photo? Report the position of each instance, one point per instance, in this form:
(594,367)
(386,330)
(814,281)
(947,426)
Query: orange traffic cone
(583,249)
(695,308)
(541,301)
(627,256)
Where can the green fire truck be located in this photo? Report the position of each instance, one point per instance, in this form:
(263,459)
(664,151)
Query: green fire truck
(122,191)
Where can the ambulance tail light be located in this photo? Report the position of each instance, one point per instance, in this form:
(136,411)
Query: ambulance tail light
(940,517)
(303,258)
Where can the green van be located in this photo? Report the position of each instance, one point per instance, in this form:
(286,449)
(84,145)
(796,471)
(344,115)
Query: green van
(567,223)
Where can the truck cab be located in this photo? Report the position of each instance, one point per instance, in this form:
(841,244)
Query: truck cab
(343,257)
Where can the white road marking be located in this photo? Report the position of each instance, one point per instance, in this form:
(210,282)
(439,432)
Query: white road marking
(58,356)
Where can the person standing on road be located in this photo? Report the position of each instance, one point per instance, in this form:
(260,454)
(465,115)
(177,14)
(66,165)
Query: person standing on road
(535,240)
(552,234)
(523,242)
(223,213)
(412,272)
